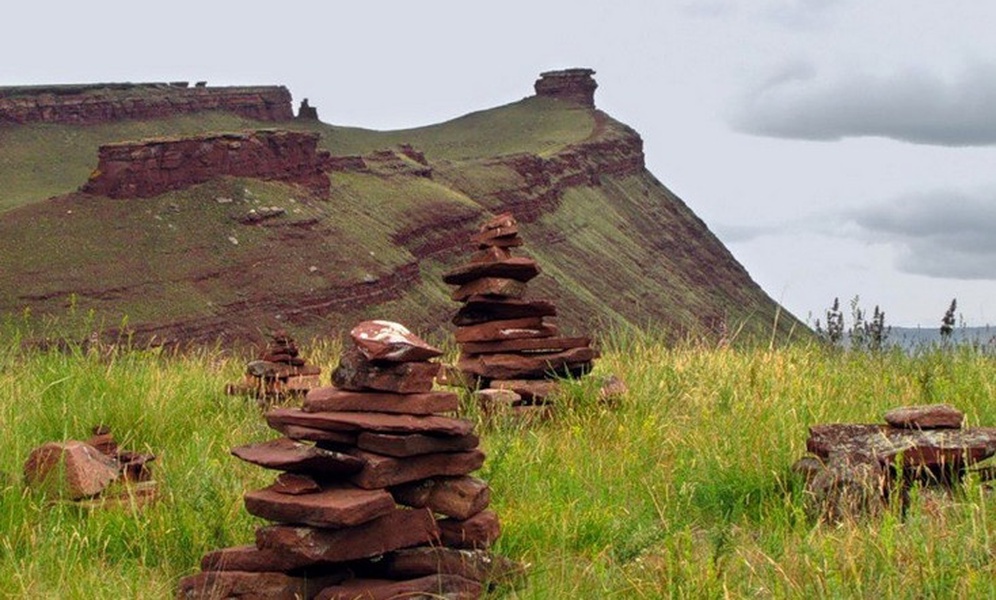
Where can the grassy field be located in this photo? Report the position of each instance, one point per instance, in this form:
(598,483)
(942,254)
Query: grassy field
(682,490)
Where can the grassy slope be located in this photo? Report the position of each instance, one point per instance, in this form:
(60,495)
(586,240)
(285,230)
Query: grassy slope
(682,490)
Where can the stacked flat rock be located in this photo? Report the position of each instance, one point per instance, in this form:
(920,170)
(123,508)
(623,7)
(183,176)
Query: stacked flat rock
(374,498)
(507,342)
(280,370)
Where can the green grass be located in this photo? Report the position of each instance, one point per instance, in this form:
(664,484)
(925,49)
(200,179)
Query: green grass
(682,490)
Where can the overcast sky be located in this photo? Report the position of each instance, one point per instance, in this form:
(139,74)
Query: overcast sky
(838,147)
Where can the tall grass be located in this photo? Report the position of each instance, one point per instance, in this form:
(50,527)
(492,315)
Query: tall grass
(682,489)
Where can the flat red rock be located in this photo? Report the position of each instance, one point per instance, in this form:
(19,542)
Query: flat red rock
(928,416)
(490,286)
(374,422)
(210,585)
(333,506)
(251,558)
(392,342)
(399,529)
(530,389)
(310,434)
(526,345)
(285,454)
(476,565)
(326,399)
(480,309)
(450,587)
(477,532)
(518,268)
(515,366)
(414,444)
(511,329)
(356,372)
(72,469)
(384,471)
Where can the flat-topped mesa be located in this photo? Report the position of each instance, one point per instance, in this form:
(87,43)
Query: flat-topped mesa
(150,167)
(572,85)
(90,104)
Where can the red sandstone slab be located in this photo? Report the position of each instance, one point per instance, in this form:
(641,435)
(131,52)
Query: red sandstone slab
(295,484)
(499,221)
(399,529)
(252,559)
(491,254)
(477,532)
(488,234)
(356,372)
(935,449)
(518,268)
(289,455)
(490,286)
(329,399)
(242,585)
(480,309)
(526,345)
(459,497)
(333,506)
(297,432)
(450,587)
(476,565)
(414,444)
(72,469)
(511,329)
(516,366)
(392,342)
(930,416)
(373,422)
(384,471)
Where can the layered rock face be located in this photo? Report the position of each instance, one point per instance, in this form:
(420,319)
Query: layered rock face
(151,167)
(573,85)
(375,497)
(107,103)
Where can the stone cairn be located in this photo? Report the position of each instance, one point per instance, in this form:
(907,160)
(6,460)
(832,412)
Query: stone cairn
(374,499)
(508,348)
(852,468)
(279,371)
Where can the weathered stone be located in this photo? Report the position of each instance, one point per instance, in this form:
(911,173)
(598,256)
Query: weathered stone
(399,529)
(476,565)
(518,268)
(330,399)
(477,532)
(391,342)
(450,587)
(459,497)
(252,559)
(490,286)
(530,389)
(525,345)
(612,390)
(491,254)
(334,506)
(357,373)
(936,450)
(72,469)
(499,221)
(931,416)
(296,457)
(243,585)
(573,362)
(373,422)
(494,236)
(294,484)
(414,493)
(414,444)
(491,398)
(311,434)
(845,490)
(480,309)
(384,471)
(512,329)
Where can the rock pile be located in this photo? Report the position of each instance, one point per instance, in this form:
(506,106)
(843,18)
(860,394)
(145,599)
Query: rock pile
(507,342)
(854,467)
(374,498)
(280,371)
(88,471)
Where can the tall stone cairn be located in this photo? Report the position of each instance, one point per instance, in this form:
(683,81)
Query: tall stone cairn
(507,343)
(374,498)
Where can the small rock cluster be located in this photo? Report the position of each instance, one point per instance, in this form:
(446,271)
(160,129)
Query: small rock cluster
(374,498)
(853,467)
(280,371)
(506,342)
(89,471)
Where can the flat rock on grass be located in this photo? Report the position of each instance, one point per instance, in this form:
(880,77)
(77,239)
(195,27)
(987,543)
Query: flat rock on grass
(285,454)
(929,416)
(72,469)
(450,587)
(327,399)
(476,565)
(384,471)
(245,585)
(373,422)
(252,559)
(333,506)
(931,448)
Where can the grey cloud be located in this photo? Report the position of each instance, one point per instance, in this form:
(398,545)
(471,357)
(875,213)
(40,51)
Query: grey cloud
(939,234)
(912,105)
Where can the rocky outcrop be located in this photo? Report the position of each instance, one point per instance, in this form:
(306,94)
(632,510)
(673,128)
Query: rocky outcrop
(573,85)
(151,167)
(107,103)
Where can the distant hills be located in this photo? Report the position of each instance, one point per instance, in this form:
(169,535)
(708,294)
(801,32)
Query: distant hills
(230,256)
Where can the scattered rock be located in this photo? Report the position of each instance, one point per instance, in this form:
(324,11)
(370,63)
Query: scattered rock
(931,416)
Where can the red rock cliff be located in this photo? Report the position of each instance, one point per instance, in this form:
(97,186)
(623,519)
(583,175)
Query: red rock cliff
(147,168)
(104,103)
(572,85)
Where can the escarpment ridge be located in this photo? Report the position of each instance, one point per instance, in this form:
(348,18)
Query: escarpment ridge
(296,224)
